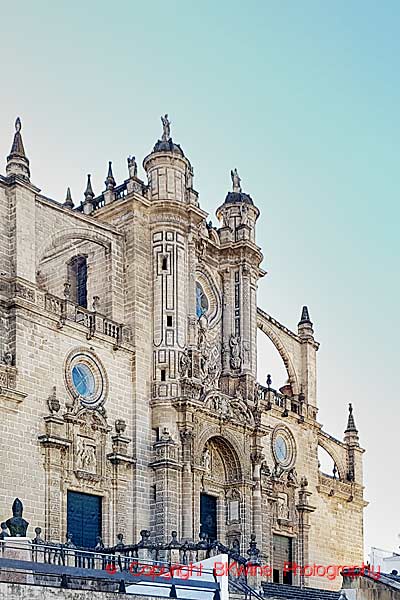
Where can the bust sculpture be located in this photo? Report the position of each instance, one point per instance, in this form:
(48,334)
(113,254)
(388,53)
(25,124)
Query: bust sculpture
(17,526)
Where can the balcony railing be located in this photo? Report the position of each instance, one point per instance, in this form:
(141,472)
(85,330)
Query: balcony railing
(66,310)
(148,562)
(273,398)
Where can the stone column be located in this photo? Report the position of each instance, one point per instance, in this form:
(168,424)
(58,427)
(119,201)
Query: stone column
(55,443)
(167,478)
(256,459)
(187,486)
(304,509)
(121,466)
(245,314)
(226,319)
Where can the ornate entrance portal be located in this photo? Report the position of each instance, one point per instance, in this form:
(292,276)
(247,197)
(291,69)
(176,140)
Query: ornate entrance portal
(221,491)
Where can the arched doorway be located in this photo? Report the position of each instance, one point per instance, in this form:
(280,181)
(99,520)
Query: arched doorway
(220,491)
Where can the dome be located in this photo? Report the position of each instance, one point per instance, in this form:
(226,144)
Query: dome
(238,198)
(168,146)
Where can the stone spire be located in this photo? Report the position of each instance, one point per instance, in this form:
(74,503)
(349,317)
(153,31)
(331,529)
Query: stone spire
(351,426)
(17,162)
(351,431)
(305,326)
(352,442)
(89,195)
(110,181)
(68,199)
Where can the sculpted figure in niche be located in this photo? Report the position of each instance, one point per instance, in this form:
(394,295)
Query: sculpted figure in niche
(222,406)
(283,508)
(207,459)
(234,343)
(244,214)
(184,363)
(86,457)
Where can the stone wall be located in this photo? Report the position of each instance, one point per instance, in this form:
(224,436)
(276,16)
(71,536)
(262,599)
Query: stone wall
(16,591)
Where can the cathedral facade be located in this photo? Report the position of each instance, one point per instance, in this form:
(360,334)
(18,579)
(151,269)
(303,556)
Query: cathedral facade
(128,375)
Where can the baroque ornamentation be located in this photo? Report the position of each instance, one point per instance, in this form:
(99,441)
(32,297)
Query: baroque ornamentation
(236,360)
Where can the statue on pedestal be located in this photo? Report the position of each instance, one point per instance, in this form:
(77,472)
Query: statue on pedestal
(166,123)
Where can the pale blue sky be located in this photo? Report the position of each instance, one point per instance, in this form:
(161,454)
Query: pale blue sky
(303,98)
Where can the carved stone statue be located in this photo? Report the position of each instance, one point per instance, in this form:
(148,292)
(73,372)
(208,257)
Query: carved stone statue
(85,456)
(8,359)
(234,343)
(189,177)
(132,167)
(206,459)
(166,123)
(244,214)
(236,181)
(17,525)
(184,363)
(283,508)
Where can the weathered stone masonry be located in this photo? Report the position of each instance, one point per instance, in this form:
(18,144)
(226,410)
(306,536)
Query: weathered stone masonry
(147,396)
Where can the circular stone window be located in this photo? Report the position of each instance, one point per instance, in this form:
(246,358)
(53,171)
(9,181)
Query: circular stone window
(283,447)
(85,378)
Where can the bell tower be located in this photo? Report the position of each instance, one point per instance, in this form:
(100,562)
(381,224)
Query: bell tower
(240,271)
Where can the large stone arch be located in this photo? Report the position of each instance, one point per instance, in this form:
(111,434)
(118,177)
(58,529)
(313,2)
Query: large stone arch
(268,328)
(60,238)
(331,447)
(229,450)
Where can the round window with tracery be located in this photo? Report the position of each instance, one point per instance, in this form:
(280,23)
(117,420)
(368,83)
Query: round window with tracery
(85,378)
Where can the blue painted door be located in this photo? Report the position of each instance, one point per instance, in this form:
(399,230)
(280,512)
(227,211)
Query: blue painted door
(208,516)
(84,518)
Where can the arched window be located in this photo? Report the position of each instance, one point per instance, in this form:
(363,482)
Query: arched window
(77,274)
(326,464)
(201,301)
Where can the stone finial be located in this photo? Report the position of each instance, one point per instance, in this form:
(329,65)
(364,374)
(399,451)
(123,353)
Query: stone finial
(305,316)
(53,402)
(305,326)
(351,431)
(17,162)
(38,539)
(236,181)
(68,203)
(89,194)
(4,533)
(253,551)
(16,524)
(120,426)
(351,425)
(110,181)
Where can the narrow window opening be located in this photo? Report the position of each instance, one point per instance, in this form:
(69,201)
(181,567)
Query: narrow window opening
(163,375)
(164,263)
(77,271)
(169,320)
